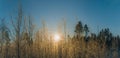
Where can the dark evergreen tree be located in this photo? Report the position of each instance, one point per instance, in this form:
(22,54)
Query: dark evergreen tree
(79,29)
(86,30)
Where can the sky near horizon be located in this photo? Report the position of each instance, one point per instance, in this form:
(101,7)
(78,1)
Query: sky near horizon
(97,14)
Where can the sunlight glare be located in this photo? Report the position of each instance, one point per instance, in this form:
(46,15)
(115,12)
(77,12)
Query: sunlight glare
(56,37)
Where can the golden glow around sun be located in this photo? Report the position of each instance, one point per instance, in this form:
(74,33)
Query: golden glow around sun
(56,37)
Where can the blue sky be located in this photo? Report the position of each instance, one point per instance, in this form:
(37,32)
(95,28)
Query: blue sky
(97,14)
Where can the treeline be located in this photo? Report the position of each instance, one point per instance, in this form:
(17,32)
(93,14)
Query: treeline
(21,40)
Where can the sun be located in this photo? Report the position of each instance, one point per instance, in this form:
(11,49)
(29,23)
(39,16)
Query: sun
(56,37)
